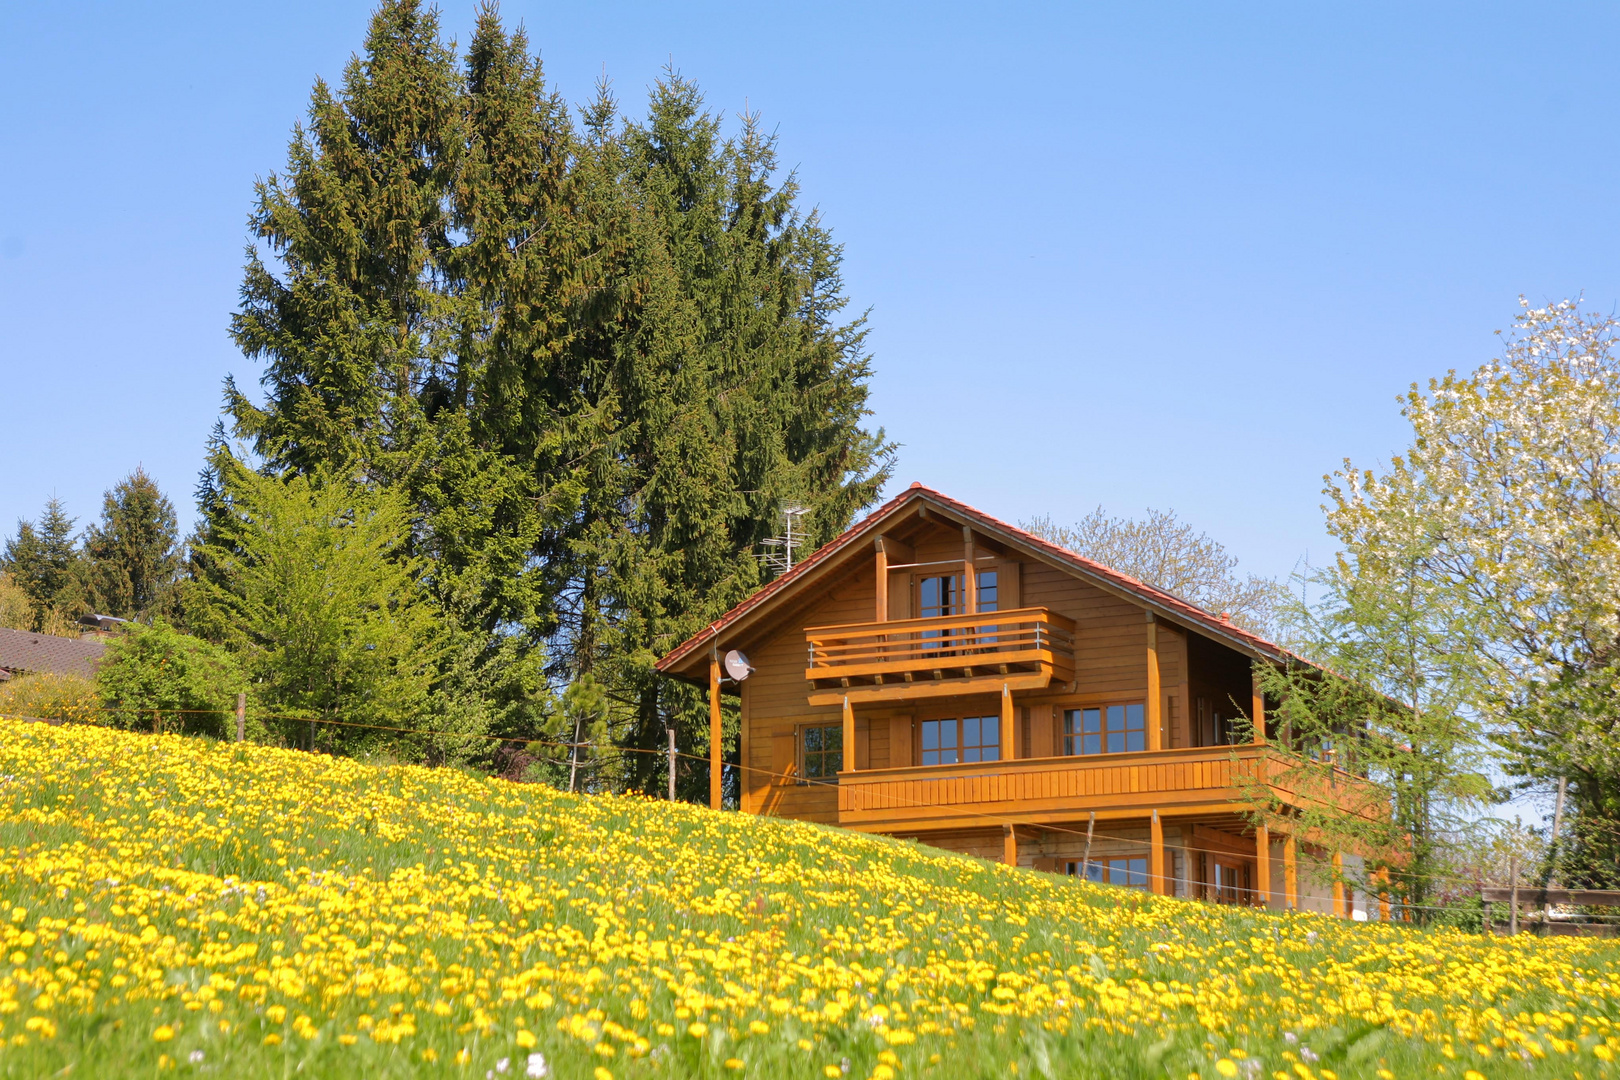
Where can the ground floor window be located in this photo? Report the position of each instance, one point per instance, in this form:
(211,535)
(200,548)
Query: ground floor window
(1131,872)
(823,751)
(970,738)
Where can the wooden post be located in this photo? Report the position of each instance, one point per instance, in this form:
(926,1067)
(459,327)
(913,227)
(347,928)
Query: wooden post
(241,717)
(1513,897)
(1155,703)
(882,582)
(1262,865)
(1009,845)
(1257,710)
(1338,886)
(1383,895)
(1290,872)
(671,730)
(716,734)
(1085,859)
(849,737)
(970,577)
(1006,724)
(1156,856)
(157,723)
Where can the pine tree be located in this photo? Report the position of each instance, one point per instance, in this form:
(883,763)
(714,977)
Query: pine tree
(132,556)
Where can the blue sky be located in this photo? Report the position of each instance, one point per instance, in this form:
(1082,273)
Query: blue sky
(1130,255)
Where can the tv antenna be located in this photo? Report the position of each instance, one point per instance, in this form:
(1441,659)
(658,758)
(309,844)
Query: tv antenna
(779,550)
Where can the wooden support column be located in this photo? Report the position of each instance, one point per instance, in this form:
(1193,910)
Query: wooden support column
(849,737)
(1155,696)
(1338,886)
(1262,865)
(1156,879)
(1257,710)
(970,578)
(1006,725)
(716,733)
(882,582)
(1009,845)
(1290,873)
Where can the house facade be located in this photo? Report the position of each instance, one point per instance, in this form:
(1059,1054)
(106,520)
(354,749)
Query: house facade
(939,675)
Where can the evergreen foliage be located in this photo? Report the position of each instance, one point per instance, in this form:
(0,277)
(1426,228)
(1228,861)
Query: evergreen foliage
(309,588)
(44,562)
(131,557)
(590,359)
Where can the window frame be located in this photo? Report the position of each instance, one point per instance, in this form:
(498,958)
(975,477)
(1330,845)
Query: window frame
(805,777)
(1072,742)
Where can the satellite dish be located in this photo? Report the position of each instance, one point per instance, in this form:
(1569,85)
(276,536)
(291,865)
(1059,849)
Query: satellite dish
(737,666)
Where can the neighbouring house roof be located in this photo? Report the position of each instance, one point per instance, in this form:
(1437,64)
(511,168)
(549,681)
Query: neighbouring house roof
(1153,599)
(22,651)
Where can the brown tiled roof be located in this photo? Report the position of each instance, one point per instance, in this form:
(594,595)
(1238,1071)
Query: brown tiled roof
(1163,602)
(23,651)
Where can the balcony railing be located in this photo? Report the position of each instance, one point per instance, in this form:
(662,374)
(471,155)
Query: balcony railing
(1186,780)
(1024,649)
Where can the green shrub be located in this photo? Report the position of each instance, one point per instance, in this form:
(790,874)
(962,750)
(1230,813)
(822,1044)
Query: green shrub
(51,697)
(157,676)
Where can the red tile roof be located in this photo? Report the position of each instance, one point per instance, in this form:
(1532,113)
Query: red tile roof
(23,651)
(1166,603)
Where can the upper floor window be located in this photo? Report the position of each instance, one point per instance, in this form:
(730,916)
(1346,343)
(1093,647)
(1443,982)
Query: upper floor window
(942,594)
(1105,729)
(973,738)
(823,751)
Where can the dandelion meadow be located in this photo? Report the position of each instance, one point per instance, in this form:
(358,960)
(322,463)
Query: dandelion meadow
(178,906)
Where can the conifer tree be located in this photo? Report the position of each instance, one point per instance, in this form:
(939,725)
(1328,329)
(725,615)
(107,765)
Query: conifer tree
(594,360)
(131,557)
(44,562)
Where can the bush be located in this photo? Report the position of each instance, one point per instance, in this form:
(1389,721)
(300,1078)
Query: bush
(51,697)
(157,676)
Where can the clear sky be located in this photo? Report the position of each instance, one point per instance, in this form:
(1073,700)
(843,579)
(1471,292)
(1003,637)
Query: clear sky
(1131,255)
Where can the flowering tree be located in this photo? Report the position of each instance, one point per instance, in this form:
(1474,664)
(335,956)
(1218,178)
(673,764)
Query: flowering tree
(1508,502)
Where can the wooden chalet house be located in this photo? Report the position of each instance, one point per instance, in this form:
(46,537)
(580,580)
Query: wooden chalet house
(936,674)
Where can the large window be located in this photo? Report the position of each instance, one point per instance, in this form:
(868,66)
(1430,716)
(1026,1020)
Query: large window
(823,751)
(942,595)
(1104,729)
(1129,872)
(973,738)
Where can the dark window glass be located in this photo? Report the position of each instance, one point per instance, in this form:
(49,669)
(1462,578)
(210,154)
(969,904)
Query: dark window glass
(939,742)
(937,596)
(1111,729)
(981,738)
(823,751)
(987,590)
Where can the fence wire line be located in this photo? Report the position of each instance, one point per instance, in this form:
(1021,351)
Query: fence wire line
(898,802)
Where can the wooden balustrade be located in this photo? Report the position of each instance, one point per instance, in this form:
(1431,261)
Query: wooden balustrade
(1020,649)
(1181,781)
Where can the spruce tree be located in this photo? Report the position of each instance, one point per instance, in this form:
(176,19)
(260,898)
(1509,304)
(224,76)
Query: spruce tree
(131,557)
(44,562)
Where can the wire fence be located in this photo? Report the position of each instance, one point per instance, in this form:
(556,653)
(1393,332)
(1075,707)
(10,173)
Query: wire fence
(1369,888)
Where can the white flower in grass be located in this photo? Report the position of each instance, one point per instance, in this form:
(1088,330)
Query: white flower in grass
(538,1066)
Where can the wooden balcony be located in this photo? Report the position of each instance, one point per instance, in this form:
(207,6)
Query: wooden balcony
(1184,781)
(1023,649)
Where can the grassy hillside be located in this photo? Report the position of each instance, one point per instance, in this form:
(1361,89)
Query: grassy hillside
(173,905)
